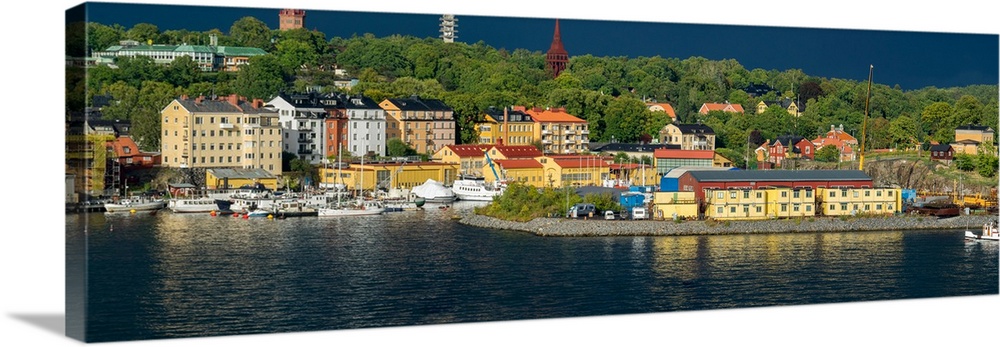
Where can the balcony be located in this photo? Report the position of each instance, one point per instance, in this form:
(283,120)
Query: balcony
(546,142)
(585,132)
(546,132)
(585,140)
(568,141)
(304,140)
(184,153)
(226,126)
(569,132)
(305,129)
(305,151)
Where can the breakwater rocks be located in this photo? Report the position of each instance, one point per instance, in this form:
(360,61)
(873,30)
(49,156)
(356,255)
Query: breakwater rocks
(597,227)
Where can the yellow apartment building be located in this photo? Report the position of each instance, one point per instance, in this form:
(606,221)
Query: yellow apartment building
(510,127)
(371,176)
(736,204)
(226,132)
(666,205)
(238,177)
(790,202)
(851,201)
(426,125)
(574,170)
(558,131)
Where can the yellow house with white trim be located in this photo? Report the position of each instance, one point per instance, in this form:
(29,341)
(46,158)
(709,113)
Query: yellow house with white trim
(852,201)
(371,176)
(574,170)
(736,204)
(666,205)
(790,202)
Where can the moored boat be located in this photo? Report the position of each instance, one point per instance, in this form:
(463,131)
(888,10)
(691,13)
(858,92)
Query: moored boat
(136,203)
(476,189)
(192,205)
(434,192)
(990,232)
(357,208)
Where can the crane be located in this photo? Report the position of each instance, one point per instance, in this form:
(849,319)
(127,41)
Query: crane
(492,168)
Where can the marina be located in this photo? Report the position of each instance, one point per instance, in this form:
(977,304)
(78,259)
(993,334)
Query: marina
(197,275)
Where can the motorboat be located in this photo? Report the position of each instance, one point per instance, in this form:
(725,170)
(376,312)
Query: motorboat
(133,204)
(989,233)
(192,205)
(356,208)
(476,189)
(293,208)
(434,192)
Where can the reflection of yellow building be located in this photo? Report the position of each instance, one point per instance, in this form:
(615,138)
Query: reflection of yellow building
(850,201)
(574,170)
(789,202)
(668,204)
(238,177)
(388,175)
(736,204)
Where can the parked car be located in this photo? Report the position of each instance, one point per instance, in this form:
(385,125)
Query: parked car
(581,211)
(639,213)
(609,215)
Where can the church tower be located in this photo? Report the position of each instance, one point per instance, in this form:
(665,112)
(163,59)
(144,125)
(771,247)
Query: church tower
(557,58)
(291,19)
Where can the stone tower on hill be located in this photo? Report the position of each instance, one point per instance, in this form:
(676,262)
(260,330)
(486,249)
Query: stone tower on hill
(291,19)
(557,58)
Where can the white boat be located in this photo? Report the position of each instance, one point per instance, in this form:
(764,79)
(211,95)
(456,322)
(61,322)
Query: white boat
(249,198)
(192,205)
(134,204)
(990,233)
(358,208)
(293,208)
(434,192)
(476,189)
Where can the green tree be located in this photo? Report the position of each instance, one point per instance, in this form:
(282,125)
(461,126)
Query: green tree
(138,69)
(904,131)
(144,33)
(828,154)
(262,78)
(251,32)
(936,119)
(397,148)
(153,97)
(100,36)
(183,71)
(625,119)
(964,162)
(986,164)
(293,54)
(303,170)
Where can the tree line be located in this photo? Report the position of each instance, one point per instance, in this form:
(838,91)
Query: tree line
(609,92)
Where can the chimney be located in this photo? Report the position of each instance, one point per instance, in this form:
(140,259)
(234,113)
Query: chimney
(184,96)
(234,99)
(519,108)
(258,103)
(199,99)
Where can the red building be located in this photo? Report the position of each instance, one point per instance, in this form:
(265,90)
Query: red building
(698,181)
(127,153)
(790,146)
(336,133)
(556,58)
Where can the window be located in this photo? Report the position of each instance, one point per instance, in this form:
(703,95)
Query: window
(833,207)
(759,195)
(758,209)
(746,194)
(809,194)
(855,193)
(868,193)
(843,193)
(843,206)
(746,209)
(732,209)
(809,208)
(795,207)
(732,195)
(784,194)
(795,194)
(784,207)
(878,207)
(890,195)
(868,207)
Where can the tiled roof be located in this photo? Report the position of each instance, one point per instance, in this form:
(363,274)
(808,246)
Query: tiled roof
(518,163)
(553,116)
(582,162)
(684,154)
(787,140)
(941,148)
(121,142)
(519,151)
(468,150)
(711,106)
(667,108)
(974,127)
(780,175)
(418,104)
(695,129)
(514,115)
(632,147)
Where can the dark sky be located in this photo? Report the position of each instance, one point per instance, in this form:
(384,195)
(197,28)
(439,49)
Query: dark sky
(911,60)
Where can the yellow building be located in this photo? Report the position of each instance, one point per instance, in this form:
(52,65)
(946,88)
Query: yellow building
(426,125)
(736,204)
(525,170)
(371,176)
(574,170)
(508,127)
(790,202)
(852,201)
(666,205)
(794,108)
(228,132)
(558,131)
(470,158)
(238,177)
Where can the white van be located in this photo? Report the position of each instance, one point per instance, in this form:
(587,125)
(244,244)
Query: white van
(639,213)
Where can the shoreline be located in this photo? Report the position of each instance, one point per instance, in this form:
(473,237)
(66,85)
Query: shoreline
(561,227)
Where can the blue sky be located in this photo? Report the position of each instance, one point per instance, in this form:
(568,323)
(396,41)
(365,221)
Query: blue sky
(911,59)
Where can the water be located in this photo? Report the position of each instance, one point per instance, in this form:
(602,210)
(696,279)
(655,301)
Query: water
(170,275)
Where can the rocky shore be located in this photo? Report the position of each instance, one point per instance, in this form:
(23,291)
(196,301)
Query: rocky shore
(597,227)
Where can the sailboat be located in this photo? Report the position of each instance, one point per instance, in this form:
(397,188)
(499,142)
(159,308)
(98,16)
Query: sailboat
(359,207)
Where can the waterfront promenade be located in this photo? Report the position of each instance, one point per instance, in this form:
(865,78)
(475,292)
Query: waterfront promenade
(598,227)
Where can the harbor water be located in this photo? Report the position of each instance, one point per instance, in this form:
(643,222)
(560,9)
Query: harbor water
(166,275)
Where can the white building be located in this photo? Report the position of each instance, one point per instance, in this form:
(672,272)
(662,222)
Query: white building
(303,118)
(365,125)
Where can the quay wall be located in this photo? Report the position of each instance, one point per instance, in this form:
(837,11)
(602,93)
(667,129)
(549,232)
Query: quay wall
(597,227)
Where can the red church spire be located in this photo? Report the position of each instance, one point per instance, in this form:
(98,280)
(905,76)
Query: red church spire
(557,57)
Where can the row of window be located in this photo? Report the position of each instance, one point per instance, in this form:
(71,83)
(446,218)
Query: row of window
(760,209)
(868,193)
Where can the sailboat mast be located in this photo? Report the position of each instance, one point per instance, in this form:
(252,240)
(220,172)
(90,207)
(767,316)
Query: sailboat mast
(864,121)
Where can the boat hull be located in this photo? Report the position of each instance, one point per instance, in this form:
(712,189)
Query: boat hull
(347,212)
(128,207)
